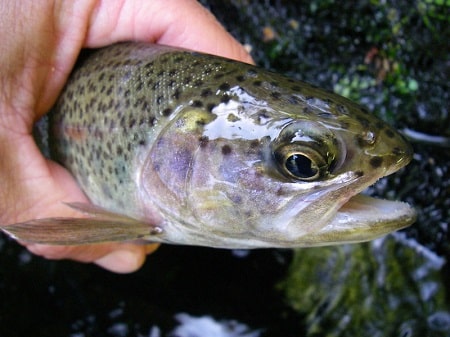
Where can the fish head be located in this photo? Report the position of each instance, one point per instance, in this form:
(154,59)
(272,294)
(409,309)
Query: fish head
(295,186)
(254,172)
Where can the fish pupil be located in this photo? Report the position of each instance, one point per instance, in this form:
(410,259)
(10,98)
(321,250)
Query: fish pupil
(300,166)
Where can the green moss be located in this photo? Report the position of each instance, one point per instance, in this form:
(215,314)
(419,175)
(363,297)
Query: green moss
(382,288)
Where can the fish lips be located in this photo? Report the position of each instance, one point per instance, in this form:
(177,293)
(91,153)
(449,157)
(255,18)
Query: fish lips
(362,218)
(340,214)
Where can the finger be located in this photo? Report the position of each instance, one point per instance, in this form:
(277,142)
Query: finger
(178,23)
(118,258)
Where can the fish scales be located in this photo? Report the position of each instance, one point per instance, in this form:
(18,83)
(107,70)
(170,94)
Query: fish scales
(177,146)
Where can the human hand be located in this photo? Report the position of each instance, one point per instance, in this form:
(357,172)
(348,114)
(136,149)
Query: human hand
(40,44)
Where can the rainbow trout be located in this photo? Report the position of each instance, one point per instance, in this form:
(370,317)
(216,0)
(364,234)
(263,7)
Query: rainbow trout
(176,146)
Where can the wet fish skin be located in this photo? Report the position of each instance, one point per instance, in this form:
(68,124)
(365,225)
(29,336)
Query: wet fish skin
(209,151)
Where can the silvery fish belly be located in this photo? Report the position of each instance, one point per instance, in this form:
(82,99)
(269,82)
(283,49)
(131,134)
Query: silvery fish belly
(180,147)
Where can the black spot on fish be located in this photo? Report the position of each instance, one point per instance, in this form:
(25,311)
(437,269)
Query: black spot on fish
(225,99)
(376,162)
(254,143)
(198,83)
(294,100)
(275,95)
(203,140)
(257,83)
(324,114)
(167,112)
(224,87)
(396,151)
(176,94)
(80,90)
(219,76)
(280,191)
(359,173)
(364,110)
(159,99)
(226,149)
(119,150)
(345,125)
(206,92)
(92,88)
(341,109)
(210,107)
(142,142)
(200,122)
(361,141)
(164,60)
(197,104)
(237,199)
(123,122)
(389,133)
(240,78)
(363,121)
(178,59)
(263,114)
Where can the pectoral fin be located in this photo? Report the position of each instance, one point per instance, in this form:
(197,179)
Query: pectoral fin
(101,226)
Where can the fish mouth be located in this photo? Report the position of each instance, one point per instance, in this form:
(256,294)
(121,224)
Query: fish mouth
(364,218)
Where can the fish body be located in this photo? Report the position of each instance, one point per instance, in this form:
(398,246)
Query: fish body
(176,146)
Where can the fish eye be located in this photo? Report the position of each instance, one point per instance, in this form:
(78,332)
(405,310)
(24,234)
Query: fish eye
(301,167)
(306,151)
(300,162)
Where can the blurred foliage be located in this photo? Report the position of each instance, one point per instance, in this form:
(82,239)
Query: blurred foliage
(384,288)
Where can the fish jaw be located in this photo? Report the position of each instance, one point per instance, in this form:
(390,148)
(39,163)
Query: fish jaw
(362,218)
(339,215)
